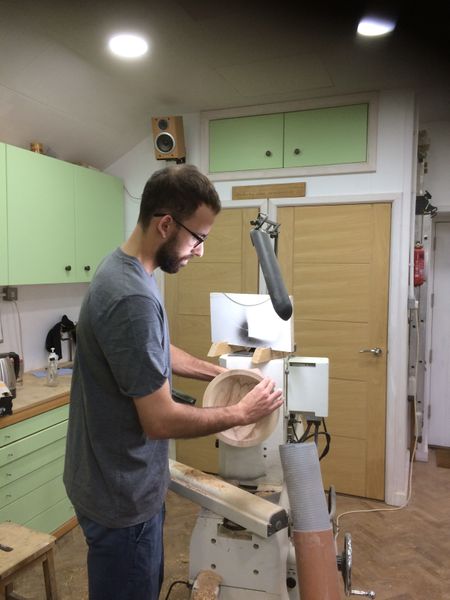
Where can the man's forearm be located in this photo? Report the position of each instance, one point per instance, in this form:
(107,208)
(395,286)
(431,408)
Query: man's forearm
(186,365)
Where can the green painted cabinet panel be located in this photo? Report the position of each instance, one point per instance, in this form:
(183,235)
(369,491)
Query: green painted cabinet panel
(99,220)
(61,219)
(22,486)
(29,444)
(319,137)
(326,136)
(245,143)
(41,236)
(31,462)
(50,519)
(29,426)
(35,502)
(3,216)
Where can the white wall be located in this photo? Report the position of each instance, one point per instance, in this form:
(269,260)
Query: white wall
(40,307)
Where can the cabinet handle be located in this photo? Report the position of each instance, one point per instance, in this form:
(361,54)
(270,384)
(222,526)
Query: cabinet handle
(68,268)
(87,268)
(268,153)
(297,151)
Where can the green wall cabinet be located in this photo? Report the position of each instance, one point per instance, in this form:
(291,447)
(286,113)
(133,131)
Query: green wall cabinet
(99,220)
(323,140)
(32,451)
(3,215)
(41,234)
(326,136)
(61,218)
(244,143)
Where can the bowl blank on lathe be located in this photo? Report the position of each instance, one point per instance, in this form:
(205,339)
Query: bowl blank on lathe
(229,388)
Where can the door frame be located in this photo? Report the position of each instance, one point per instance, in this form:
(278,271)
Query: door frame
(397,450)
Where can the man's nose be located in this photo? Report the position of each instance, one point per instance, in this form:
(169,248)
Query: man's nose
(198,250)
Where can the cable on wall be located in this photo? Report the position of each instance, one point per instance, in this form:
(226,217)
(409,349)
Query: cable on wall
(137,198)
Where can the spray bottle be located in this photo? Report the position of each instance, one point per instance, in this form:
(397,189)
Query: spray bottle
(52,369)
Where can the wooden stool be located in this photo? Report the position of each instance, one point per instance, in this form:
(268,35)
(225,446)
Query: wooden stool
(28,547)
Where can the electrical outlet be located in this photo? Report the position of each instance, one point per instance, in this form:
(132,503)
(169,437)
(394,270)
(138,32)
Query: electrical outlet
(10,294)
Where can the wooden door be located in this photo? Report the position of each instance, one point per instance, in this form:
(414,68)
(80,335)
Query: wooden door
(229,264)
(335,261)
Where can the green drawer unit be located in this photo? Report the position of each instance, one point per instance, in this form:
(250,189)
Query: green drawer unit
(245,143)
(35,502)
(31,462)
(31,471)
(33,442)
(26,484)
(28,426)
(326,136)
(49,520)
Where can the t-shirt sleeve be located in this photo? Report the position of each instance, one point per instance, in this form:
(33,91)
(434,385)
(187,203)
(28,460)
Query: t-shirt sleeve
(134,341)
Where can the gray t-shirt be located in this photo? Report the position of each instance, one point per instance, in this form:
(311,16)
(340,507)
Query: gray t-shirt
(114,474)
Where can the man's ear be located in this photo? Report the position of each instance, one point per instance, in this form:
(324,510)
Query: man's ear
(164,226)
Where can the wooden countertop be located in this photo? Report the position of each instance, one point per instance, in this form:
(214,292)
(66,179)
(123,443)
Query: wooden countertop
(33,397)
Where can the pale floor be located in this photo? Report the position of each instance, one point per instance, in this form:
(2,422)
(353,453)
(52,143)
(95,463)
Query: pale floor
(402,555)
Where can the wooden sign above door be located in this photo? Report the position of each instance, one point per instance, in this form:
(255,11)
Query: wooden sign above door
(270,190)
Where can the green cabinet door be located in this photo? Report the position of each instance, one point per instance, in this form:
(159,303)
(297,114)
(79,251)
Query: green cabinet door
(326,136)
(41,240)
(3,223)
(244,143)
(99,220)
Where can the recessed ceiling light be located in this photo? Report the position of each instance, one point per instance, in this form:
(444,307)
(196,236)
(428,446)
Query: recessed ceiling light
(375,26)
(127,45)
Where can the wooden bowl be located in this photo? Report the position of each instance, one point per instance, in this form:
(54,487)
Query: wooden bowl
(229,388)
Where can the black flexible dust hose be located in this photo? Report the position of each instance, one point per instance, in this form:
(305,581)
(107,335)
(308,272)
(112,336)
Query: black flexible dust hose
(272,275)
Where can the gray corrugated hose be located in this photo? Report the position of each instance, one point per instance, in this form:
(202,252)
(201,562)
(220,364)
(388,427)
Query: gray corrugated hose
(312,536)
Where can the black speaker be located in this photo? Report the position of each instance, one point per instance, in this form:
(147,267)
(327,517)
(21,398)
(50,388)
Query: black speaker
(168,138)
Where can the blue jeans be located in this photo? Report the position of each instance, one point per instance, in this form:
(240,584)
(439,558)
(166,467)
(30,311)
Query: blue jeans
(126,563)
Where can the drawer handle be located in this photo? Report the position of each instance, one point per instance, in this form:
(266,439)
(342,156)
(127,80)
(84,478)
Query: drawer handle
(10,455)
(268,153)
(87,268)
(68,267)
(8,474)
(297,151)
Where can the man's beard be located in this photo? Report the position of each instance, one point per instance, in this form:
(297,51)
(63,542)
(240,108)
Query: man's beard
(167,259)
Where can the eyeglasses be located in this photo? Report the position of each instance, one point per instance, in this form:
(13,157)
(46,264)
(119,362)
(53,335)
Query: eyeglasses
(197,236)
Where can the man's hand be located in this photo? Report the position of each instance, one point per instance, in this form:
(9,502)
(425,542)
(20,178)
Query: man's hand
(260,402)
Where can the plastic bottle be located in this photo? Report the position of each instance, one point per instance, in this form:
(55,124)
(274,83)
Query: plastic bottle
(52,369)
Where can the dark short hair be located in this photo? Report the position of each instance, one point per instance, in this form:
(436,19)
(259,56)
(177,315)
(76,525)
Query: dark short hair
(177,190)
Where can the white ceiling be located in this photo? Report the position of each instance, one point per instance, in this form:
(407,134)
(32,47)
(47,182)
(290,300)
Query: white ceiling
(60,86)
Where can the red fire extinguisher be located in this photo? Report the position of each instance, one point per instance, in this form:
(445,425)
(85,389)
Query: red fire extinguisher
(419,265)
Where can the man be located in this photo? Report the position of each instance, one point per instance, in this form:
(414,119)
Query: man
(121,411)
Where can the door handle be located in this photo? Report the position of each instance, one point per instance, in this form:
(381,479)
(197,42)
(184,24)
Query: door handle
(375,351)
